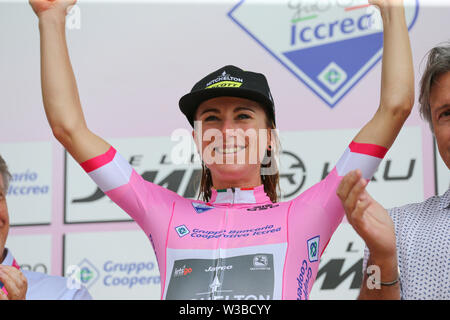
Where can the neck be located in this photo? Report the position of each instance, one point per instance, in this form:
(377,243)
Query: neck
(248,182)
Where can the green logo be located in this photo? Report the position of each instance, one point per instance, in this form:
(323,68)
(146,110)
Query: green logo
(333,76)
(86,275)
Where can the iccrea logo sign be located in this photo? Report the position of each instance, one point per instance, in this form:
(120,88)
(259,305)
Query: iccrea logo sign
(113,274)
(328,44)
(86,273)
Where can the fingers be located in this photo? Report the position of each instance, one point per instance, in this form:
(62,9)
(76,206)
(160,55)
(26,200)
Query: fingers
(357,215)
(14,281)
(357,218)
(39,6)
(347,184)
(356,193)
(8,282)
(354,197)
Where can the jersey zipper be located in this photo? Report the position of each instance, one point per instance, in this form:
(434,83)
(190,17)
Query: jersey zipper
(218,278)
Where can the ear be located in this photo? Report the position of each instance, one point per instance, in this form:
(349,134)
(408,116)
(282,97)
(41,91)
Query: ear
(270,143)
(197,136)
(194,136)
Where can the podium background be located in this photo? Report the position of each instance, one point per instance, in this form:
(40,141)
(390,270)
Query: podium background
(133,61)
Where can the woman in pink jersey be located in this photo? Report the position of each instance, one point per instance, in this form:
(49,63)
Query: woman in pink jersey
(238,242)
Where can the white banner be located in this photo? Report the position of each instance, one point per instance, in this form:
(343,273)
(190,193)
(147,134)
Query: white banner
(113,265)
(29,194)
(340,269)
(309,156)
(32,252)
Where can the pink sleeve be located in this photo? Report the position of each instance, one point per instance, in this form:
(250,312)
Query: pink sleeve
(365,157)
(144,201)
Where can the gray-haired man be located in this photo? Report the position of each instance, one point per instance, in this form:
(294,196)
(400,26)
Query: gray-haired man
(16,284)
(416,235)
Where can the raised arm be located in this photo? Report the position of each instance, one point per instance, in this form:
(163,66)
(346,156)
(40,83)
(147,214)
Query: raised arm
(397,78)
(369,219)
(59,89)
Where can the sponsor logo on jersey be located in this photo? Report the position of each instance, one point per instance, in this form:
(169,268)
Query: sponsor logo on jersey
(263,207)
(218,268)
(178,272)
(313,249)
(201,207)
(182,230)
(260,262)
(327,44)
(303,279)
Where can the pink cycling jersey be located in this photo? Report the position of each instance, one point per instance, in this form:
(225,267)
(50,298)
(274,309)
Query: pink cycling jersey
(239,245)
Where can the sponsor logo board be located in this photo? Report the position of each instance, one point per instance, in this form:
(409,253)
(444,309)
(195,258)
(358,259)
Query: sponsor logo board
(32,252)
(128,271)
(329,45)
(29,194)
(340,268)
(313,154)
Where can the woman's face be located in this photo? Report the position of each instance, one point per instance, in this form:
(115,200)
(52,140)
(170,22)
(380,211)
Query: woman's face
(234,137)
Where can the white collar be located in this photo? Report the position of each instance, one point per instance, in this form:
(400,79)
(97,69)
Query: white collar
(8,261)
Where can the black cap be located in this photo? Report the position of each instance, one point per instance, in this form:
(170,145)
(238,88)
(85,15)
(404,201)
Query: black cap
(229,81)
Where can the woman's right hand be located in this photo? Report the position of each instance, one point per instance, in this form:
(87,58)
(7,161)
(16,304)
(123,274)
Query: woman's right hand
(59,7)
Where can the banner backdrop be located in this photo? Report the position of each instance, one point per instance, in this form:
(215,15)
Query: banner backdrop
(33,252)
(133,61)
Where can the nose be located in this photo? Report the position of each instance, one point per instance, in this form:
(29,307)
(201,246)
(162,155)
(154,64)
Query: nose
(232,133)
(227,123)
(227,127)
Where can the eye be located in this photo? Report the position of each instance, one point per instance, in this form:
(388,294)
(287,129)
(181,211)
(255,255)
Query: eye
(446,113)
(243,116)
(211,118)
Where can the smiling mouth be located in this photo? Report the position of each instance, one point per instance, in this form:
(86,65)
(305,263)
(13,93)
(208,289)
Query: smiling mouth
(229,150)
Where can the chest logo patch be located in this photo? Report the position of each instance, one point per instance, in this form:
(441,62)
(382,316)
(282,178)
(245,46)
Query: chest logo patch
(313,249)
(201,207)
